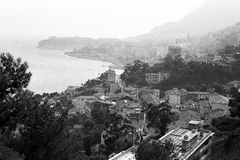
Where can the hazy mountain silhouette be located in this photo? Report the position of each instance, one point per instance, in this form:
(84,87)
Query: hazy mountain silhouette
(212,16)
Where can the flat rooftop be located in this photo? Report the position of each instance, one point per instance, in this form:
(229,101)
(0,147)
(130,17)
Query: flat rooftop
(177,134)
(129,154)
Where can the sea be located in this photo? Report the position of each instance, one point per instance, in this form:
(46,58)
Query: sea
(52,70)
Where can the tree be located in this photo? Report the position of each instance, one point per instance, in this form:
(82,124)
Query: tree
(154,150)
(116,131)
(203,88)
(235,106)
(28,125)
(9,154)
(190,88)
(13,75)
(159,117)
(98,115)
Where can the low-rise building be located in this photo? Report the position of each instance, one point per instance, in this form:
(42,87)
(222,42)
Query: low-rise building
(156,77)
(173,96)
(232,84)
(195,96)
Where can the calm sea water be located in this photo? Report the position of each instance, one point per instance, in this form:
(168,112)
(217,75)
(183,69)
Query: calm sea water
(52,70)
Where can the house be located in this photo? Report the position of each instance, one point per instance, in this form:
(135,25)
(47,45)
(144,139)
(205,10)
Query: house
(98,104)
(150,99)
(156,77)
(173,96)
(229,85)
(71,89)
(80,101)
(183,95)
(196,96)
(114,88)
(219,102)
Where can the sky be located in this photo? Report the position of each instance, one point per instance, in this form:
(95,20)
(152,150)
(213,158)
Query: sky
(89,18)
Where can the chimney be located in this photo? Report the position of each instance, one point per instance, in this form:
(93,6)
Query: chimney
(193,125)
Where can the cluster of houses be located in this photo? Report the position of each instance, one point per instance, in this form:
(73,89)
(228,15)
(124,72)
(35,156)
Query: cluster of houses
(129,101)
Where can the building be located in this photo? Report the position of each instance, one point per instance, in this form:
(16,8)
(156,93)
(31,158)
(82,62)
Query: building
(232,84)
(111,76)
(174,51)
(196,96)
(219,102)
(190,142)
(150,99)
(71,89)
(156,77)
(80,101)
(173,96)
(98,104)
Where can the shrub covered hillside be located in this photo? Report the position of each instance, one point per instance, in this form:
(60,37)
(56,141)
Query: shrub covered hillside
(226,143)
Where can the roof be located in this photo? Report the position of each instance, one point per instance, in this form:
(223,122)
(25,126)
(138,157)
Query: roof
(177,134)
(217,98)
(233,83)
(198,92)
(174,91)
(193,122)
(104,102)
(86,97)
(129,154)
(71,88)
(150,99)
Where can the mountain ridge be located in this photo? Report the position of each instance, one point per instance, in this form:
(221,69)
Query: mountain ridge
(212,16)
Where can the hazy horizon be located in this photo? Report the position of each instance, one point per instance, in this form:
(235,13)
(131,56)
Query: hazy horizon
(95,19)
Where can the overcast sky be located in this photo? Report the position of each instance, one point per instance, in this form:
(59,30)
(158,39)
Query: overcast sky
(89,18)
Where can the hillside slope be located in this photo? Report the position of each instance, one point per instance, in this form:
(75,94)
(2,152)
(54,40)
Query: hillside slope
(212,16)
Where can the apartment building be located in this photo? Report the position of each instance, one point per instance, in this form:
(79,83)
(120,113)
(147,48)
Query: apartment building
(190,143)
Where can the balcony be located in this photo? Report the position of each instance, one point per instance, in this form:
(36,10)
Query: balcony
(204,147)
(204,156)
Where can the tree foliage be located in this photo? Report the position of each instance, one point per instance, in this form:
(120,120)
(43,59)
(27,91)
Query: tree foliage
(13,75)
(159,117)
(98,115)
(154,150)
(116,131)
(29,126)
(193,73)
(235,106)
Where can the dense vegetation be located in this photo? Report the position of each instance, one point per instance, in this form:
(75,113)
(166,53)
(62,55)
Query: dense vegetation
(159,117)
(227,131)
(155,150)
(192,73)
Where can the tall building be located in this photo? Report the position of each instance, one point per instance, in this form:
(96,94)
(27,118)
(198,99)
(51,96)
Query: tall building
(111,76)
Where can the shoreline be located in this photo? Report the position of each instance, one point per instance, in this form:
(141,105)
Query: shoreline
(113,65)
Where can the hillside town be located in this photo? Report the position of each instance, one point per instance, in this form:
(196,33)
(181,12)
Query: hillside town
(183,105)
